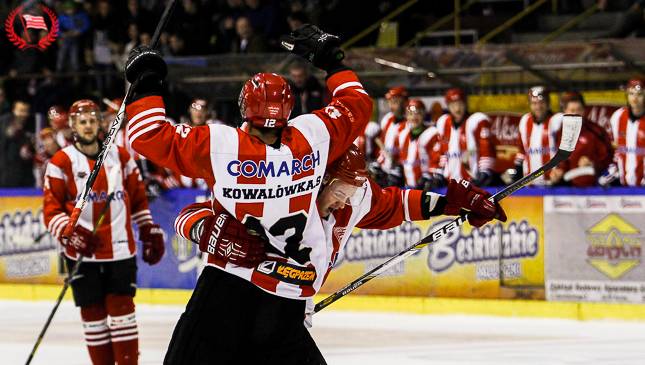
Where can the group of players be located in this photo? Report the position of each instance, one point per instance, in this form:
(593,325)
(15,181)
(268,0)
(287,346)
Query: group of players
(285,197)
(409,150)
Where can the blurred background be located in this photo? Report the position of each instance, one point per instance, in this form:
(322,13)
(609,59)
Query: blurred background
(575,236)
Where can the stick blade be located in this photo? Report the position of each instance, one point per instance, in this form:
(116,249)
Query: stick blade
(571,125)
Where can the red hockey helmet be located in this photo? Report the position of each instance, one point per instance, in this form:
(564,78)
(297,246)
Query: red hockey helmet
(455,94)
(83,106)
(636,84)
(416,106)
(350,167)
(57,117)
(570,96)
(266,101)
(539,93)
(199,104)
(399,91)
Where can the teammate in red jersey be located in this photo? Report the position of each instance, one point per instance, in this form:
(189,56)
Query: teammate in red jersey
(538,132)
(267,176)
(468,145)
(106,282)
(392,124)
(593,153)
(58,121)
(348,199)
(628,129)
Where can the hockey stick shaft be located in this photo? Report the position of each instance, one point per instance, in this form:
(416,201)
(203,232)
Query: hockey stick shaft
(67,283)
(566,147)
(114,127)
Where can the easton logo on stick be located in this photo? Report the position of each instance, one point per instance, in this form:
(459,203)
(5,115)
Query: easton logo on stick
(21,36)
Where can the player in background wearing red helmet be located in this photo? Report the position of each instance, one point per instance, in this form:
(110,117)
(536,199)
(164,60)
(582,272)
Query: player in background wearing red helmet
(267,176)
(628,130)
(593,154)
(200,113)
(392,124)
(106,282)
(348,199)
(538,135)
(59,123)
(468,144)
(420,145)
(47,147)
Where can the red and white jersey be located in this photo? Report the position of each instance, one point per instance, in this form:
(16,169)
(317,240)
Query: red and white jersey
(65,177)
(62,140)
(629,140)
(121,140)
(390,131)
(269,188)
(379,209)
(538,143)
(367,141)
(419,155)
(468,148)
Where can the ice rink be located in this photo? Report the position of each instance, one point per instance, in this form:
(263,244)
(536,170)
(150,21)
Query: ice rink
(358,338)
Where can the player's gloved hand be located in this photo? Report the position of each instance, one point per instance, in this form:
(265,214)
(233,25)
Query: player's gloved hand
(228,239)
(320,48)
(143,62)
(152,241)
(431,182)
(483,178)
(462,196)
(83,241)
(608,177)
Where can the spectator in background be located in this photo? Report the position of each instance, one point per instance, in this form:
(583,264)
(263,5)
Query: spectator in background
(263,17)
(105,38)
(307,91)
(296,20)
(593,153)
(247,41)
(628,130)
(133,41)
(5,106)
(176,45)
(73,24)
(143,18)
(192,23)
(16,148)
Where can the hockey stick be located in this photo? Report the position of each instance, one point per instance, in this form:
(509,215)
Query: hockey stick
(113,175)
(114,127)
(571,125)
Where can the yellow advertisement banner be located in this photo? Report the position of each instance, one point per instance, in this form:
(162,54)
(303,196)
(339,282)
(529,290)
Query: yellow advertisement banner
(464,264)
(518,103)
(27,253)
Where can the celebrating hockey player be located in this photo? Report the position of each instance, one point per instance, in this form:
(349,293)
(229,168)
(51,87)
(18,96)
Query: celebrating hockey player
(58,121)
(469,147)
(347,199)
(392,124)
(538,132)
(268,176)
(628,129)
(106,282)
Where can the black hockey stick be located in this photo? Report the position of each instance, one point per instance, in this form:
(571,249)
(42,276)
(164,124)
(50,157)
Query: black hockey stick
(114,127)
(113,175)
(571,125)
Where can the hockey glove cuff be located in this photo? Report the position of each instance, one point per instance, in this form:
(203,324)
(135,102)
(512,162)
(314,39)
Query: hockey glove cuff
(320,48)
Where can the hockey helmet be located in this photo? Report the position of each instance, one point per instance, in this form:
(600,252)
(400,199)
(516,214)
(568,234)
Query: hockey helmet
(399,91)
(199,104)
(636,84)
(416,106)
(266,101)
(350,167)
(454,94)
(540,93)
(57,117)
(83,106)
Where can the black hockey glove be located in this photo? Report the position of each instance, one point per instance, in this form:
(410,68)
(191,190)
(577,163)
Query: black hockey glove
(320,48)
(483,178)
(146,65)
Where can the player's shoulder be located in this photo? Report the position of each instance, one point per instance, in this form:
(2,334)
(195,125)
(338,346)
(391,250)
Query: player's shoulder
(428,134)
(386,119)
(478,117)
(525,118)
(623,110)
(442,120)
(311,125)
(372,129)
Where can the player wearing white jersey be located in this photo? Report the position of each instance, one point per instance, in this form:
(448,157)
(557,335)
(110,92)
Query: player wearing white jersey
(392,124)
(268,177)
(348,199)
(106,282)
(538,135)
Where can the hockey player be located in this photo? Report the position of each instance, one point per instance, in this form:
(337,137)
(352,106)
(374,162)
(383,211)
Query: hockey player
(58,121)
(106,282)
(392,124)
(268,176)
(420,146)
(468,145)
(538,131)
(628,129)
(367,142)
(347,199)
(593,153)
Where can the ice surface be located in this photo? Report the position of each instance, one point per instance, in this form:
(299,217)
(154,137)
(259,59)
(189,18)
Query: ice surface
(357,338)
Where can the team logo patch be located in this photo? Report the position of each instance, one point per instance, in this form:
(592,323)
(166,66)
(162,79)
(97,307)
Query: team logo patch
(615,246)
(288,273)
(25,39)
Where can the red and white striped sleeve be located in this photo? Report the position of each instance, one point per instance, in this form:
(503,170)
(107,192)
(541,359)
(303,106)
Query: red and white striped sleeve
(57,202)
(485,145)
(391,206)
(191,215)
(181,148)
(136,190)
(347,114)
